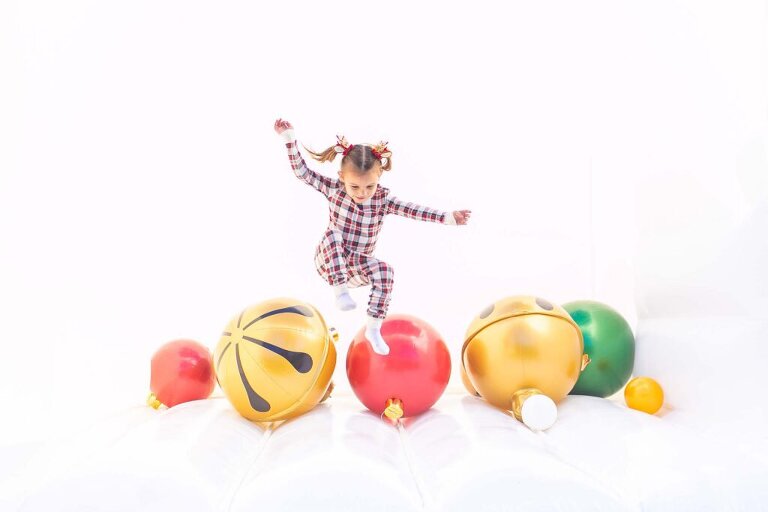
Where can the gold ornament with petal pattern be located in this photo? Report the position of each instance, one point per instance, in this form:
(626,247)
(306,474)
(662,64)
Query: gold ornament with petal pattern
(275,360)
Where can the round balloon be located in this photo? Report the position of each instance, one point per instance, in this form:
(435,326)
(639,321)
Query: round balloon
(181,371)
(609,341)
(408,380)
(275,360)
(644,394)
(522,347)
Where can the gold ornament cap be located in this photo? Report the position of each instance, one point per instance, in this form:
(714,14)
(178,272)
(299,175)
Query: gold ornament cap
(153,402)
(394,409)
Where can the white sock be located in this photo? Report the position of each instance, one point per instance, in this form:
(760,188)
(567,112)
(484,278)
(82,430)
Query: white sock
(343,299)
(373,335)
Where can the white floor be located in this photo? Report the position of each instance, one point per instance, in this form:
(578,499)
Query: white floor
(463,454)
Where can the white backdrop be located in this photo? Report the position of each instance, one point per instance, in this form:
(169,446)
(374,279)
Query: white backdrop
(145,197)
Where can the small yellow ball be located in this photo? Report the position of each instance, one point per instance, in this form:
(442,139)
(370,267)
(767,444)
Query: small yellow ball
(644,394)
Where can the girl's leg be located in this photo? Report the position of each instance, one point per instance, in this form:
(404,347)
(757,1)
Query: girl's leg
(381,277)
(332,266)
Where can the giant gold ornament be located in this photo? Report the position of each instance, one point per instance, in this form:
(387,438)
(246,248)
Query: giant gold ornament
(275,360)
(519,348)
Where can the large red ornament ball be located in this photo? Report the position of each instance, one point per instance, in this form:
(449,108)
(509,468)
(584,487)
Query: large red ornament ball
(416,370)
(182,370)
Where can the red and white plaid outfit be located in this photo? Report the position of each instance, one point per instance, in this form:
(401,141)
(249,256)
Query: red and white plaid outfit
(345,252)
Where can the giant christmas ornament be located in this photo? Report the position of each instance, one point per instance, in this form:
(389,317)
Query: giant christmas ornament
(275,360)
(408,380)
(181,371)
(609,341)
(523,354)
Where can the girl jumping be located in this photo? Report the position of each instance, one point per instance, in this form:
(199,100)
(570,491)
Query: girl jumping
(357,206)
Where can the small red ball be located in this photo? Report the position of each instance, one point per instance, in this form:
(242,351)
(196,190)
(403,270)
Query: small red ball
(416,370)
(182,370)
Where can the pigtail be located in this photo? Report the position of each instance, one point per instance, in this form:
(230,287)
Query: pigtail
(386,164)
(328,155)
(382,152)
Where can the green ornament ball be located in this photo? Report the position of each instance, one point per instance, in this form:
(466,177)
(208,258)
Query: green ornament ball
(610,344)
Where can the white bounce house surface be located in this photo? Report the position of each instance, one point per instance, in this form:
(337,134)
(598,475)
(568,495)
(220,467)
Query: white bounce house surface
(463,454)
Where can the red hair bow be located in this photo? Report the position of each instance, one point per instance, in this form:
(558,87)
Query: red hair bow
(342,146)
(381,151)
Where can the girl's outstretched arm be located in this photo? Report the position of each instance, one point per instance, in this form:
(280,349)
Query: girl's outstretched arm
(414,211)
(321,183)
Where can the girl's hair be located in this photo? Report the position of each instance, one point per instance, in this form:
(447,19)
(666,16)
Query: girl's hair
(361,155)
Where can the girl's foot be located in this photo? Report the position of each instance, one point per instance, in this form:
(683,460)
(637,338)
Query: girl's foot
(343,299)
(344,302)
(373,335)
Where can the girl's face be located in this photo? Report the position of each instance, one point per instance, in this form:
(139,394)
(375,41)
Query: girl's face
(360,186)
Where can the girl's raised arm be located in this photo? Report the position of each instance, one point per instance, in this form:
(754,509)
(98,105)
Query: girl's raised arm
(321,183)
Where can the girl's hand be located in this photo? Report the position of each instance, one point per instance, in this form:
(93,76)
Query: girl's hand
(281,126)
(461,216)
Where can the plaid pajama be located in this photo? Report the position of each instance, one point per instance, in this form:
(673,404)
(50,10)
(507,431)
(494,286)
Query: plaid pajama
(345,252)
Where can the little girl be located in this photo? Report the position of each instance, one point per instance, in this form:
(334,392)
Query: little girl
(357,205)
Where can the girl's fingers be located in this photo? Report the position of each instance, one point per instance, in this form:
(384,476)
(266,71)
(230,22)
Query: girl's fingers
(281,125)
